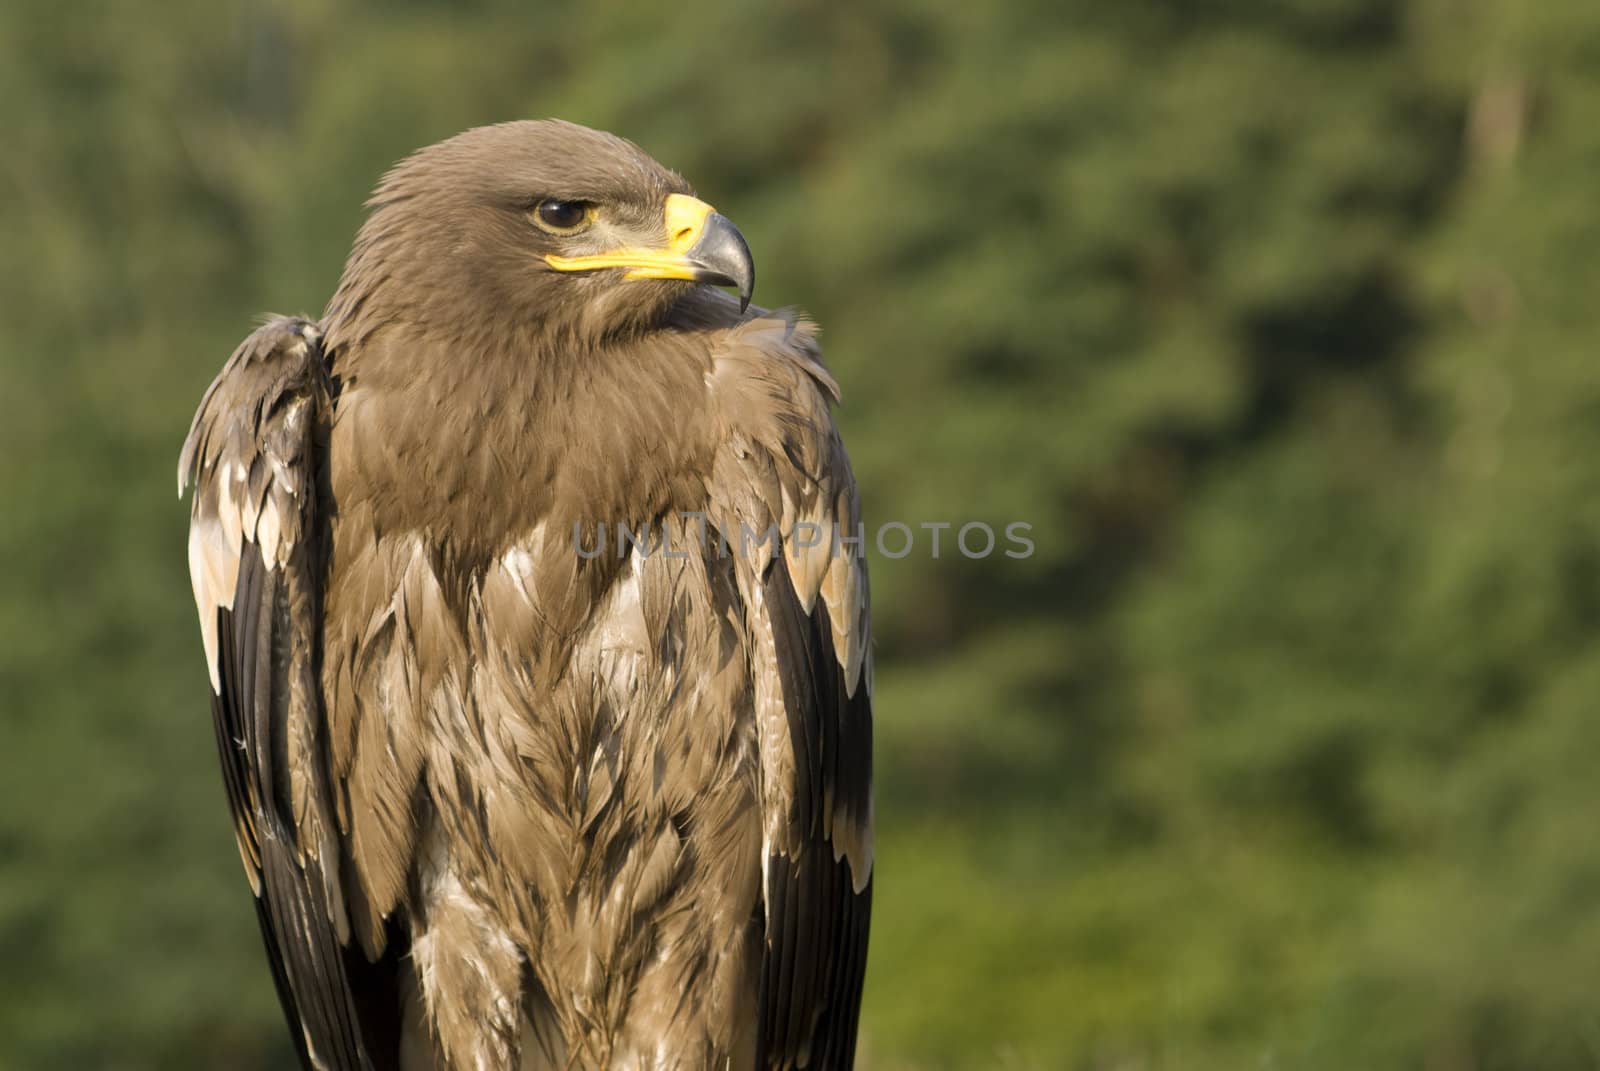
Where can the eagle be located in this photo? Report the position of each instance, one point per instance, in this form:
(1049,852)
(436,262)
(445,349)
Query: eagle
(533,597)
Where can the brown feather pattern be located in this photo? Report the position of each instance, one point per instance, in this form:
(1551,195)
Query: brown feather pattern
(504,805)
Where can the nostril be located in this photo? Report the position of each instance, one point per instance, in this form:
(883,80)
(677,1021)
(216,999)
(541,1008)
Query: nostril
(683,234)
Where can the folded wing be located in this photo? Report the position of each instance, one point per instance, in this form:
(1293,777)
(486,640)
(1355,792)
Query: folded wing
(257,561)
(806,606)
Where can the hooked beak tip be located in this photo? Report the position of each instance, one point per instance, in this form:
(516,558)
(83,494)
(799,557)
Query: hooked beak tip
(723,258)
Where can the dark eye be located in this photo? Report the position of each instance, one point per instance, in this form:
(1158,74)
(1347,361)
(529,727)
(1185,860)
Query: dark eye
(562,217)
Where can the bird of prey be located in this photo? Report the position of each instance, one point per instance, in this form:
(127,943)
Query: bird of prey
(512,791)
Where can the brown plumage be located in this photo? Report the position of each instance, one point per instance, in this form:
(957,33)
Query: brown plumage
(508,796)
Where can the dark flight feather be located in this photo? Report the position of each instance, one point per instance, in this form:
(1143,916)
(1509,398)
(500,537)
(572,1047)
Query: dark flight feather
(264,637)
(815,950)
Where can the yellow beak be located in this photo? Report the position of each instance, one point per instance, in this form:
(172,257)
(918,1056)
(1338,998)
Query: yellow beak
(703,246)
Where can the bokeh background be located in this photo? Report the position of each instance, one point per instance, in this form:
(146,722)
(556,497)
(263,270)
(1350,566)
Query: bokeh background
(1275,318)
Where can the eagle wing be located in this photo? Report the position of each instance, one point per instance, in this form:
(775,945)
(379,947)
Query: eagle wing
(818,885)
(257,561)
(806,609)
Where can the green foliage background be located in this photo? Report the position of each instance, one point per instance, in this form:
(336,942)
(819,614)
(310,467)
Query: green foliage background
(1273,317)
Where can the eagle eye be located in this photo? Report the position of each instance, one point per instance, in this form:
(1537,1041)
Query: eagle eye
(563,217)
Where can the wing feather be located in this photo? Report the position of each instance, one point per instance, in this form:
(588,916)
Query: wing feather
(819,885)
(255,549)
(806,609)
